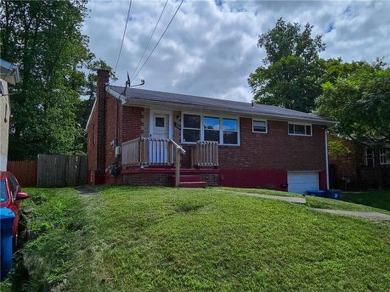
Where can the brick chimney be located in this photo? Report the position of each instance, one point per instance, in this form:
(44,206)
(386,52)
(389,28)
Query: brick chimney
(102,81)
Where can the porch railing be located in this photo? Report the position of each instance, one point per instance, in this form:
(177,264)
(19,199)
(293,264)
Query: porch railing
(205,153)
(153,151)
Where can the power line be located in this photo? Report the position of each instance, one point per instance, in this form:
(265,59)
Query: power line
(159,39)
(143,54)
(123,37)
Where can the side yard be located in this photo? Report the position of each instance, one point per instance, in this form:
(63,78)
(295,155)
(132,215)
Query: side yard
(377,199)
(165,239)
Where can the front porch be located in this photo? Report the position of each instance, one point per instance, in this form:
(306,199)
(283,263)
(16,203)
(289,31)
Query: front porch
(154,161)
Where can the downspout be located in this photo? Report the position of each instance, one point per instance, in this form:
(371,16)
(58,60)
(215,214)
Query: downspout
(326,159)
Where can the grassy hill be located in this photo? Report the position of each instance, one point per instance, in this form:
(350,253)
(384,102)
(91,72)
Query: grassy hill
(165,239)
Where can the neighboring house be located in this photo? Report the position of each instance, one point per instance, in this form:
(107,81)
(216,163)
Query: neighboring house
(363,167)
(135,136)
(9,74)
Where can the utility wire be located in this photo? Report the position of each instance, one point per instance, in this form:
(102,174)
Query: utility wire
(159,39)
(154,30)
(123,37)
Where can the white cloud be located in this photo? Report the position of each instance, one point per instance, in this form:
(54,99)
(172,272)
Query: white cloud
(211,49)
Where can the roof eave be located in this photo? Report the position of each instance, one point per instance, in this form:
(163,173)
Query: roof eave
(9,72)
(90,115)
(138,102)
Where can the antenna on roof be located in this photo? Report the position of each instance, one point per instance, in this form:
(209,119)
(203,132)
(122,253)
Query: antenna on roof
(127,83)
(142,83)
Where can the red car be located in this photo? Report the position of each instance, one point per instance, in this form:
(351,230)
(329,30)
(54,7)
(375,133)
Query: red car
(11,196)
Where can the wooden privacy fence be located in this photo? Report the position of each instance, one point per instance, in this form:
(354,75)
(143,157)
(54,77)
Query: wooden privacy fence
(25,171)
(61,170)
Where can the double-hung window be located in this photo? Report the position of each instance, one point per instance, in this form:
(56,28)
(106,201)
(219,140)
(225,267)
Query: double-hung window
(384,156)
(299,129)
(369,157)
(230,131)
(210,128)
(191,128)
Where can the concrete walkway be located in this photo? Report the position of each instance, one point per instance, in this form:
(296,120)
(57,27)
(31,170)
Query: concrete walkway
(366,215)
(279,198)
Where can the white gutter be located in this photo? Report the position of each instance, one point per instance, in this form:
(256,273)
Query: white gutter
(327,159)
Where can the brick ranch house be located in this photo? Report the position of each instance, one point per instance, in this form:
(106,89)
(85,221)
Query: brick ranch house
(143,137)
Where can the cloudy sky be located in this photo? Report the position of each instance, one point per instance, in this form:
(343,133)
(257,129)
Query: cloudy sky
(210,48)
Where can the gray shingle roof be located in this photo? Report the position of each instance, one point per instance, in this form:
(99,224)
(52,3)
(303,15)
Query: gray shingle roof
(142,96)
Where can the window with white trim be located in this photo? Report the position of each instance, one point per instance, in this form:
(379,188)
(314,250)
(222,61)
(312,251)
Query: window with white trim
(369,157)
(259,126)
(224,130)
(230,131)
(384,156)
(211,128)
(191,128)
(299,129)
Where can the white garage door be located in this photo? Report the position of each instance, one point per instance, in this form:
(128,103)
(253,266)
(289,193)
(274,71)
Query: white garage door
(300,182)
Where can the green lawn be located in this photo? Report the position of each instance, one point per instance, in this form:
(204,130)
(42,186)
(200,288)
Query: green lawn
(166,239)
(377,199)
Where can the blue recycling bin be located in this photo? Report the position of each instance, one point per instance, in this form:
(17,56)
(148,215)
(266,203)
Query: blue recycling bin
(334,194)
(6,226)
(317,193)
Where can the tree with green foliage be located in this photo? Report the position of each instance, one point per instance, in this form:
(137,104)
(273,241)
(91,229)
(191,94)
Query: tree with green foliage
(44,38)
(291,74)
(358,96)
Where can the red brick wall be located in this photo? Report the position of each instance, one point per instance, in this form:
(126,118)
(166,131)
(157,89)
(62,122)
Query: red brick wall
(147,179)
(92,141)
(132,123)
(113,125)
(254,178)
(274,150)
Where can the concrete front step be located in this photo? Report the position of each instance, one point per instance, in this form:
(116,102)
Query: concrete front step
(189,181)
(193,184)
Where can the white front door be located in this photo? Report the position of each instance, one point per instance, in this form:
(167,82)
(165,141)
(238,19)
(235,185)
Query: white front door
(158,145)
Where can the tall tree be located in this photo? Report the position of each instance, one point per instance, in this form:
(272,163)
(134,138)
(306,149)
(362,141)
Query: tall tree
(358,96)
(44,38)
(291,72)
